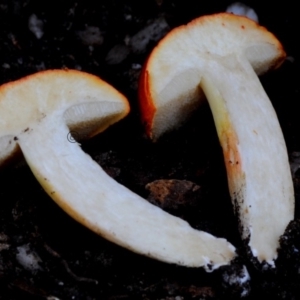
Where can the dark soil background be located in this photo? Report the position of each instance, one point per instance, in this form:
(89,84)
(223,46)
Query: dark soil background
(67,261)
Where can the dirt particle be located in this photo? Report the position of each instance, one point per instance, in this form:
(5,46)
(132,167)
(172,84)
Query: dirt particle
(173,194)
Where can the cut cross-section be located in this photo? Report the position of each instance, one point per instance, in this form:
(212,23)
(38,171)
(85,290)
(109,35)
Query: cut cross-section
(35,113)
(219,56)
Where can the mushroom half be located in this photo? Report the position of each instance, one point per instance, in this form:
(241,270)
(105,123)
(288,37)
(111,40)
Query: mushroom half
(220,56)
(36,116)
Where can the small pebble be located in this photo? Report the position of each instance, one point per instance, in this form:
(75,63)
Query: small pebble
(241,9)
(91,36)
(153,32)
(28,258)
(117,54)
(36,26)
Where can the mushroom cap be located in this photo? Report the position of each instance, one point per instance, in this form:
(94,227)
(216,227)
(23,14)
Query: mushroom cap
(88,104)
(179,61)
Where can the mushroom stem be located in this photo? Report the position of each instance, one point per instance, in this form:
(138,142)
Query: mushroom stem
(94,199)
(254,152)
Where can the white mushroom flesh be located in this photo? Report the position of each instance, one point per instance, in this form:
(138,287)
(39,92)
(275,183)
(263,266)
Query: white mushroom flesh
(221,55)
(33,113)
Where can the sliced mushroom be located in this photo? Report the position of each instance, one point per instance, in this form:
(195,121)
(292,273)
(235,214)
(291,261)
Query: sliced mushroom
(34,114)
(220,55)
